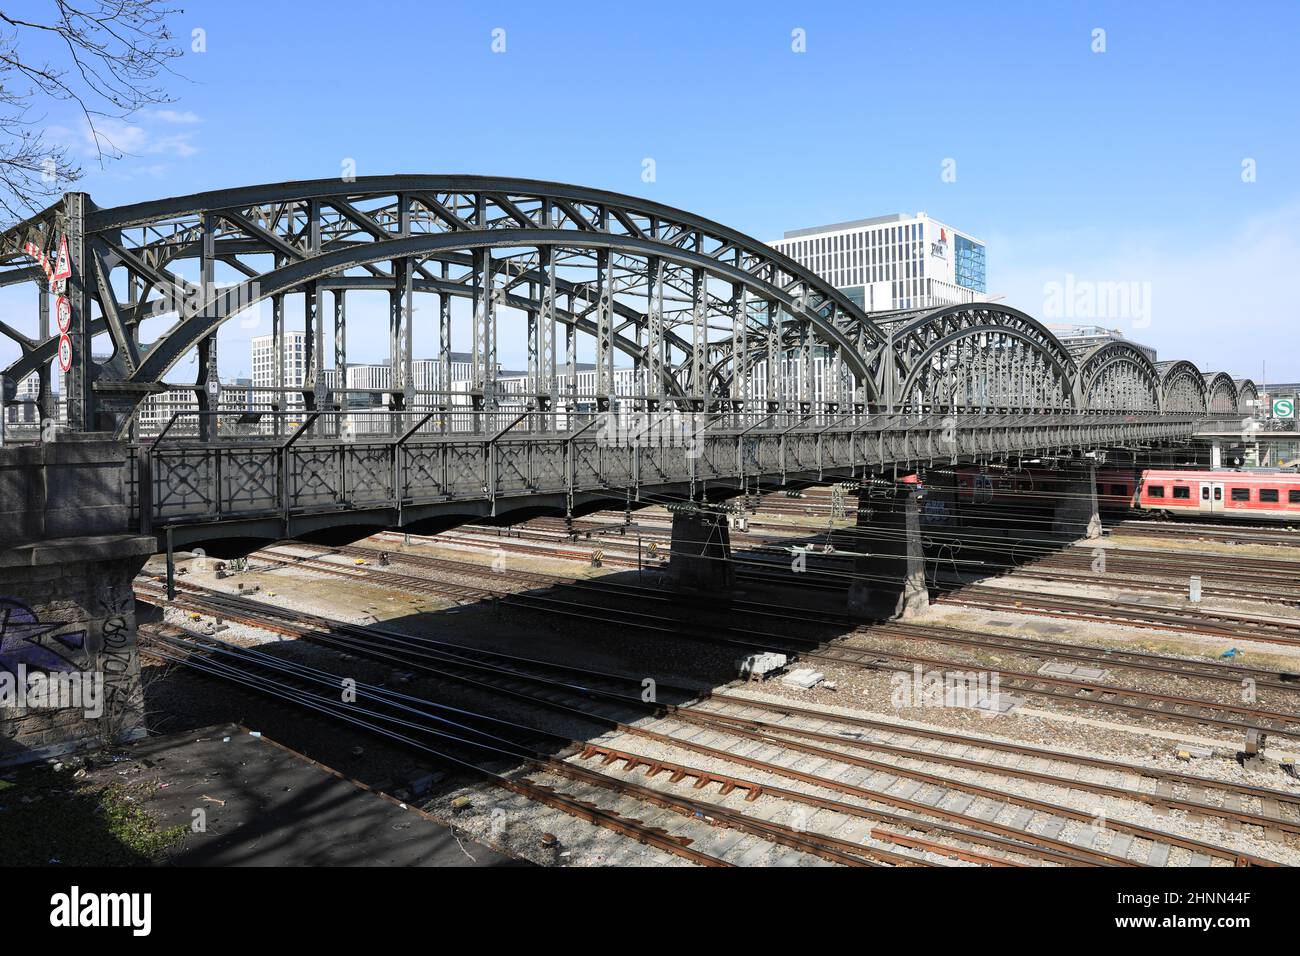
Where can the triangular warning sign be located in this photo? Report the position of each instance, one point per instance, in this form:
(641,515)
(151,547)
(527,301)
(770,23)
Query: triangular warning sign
(63,265)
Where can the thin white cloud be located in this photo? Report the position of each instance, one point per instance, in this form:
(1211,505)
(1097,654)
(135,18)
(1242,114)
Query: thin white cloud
(1219,298)
(135,146)
(174,116)
(138,139)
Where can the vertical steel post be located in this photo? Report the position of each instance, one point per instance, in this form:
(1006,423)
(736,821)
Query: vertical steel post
(775,373)
(208,383)
(277,348)
(397,358)
(604,331)
(314,330)
(444,355)
(341,344)
(44,394)
(81,376)
(699,336)
(546,390)
(655,345)
(571,358)
(739,308)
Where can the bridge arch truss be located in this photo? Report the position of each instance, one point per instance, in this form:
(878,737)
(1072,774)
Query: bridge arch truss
(1118,376)
(1222,391)
(685,298)
(1182,387)
(616,301)
(1247,394)
(977,357)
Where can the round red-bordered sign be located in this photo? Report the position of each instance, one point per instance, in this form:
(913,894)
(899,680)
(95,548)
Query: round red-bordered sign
(63,313)
(65,353)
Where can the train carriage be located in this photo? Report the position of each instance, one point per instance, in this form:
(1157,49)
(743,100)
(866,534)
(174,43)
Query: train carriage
(1270,496)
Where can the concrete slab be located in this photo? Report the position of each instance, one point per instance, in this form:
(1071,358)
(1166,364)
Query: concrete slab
(805,678)
(1053,827)
(1119,846)
(1021,818)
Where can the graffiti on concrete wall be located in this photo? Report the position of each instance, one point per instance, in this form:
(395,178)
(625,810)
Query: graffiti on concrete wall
(121,687)
(46,647)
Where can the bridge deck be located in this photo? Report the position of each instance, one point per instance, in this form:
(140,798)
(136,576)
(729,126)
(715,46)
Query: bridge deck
(263,488)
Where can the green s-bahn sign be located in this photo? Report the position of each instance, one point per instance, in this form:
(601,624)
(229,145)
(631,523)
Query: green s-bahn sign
(1284,408)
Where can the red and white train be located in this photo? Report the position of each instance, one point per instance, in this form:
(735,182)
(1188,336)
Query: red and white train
(1257,495)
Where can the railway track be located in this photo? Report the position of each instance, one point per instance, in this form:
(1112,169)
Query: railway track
(1218,533)
(1264,679)
(1130,614)
(1271,581)
(1128,700)
(640,812)
(1112,578)
(507,676)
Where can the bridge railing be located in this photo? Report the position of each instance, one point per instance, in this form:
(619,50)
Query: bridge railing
(315,469)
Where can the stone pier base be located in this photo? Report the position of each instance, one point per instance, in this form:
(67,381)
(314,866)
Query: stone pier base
(701,552)
(69,667)
(890,578)
(1076,507)
(67,626)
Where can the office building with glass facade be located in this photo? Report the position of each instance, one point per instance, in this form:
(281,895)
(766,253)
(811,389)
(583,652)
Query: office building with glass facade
(893,262)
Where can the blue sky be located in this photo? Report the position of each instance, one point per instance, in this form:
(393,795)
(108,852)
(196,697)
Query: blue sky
(1123,166)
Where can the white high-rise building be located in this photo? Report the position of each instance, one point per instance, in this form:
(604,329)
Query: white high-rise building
(295,360)
(892,262)
(23,410)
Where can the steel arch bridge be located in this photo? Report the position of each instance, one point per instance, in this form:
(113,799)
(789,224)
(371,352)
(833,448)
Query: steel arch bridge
(700,310)
(621,305)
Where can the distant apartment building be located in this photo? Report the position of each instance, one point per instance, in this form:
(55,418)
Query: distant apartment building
(23,410)
(1085,337)
(295,362)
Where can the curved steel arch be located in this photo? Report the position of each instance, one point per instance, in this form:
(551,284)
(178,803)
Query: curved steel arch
(1246,393)
(213,312)
(1222,392)
(318,229)
(978,355)
(655,283)
(1118,376)
(1182,387)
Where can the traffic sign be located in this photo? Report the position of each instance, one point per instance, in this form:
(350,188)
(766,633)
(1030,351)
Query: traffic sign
(63,264)
(65,353)
(1284,408)
(63,313)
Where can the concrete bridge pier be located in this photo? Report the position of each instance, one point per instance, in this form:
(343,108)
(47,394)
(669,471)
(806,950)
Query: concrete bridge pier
(1076,513)
(701,552)
(69,668)
(890,579)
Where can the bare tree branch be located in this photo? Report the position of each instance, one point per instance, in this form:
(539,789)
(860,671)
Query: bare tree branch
(104,56)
